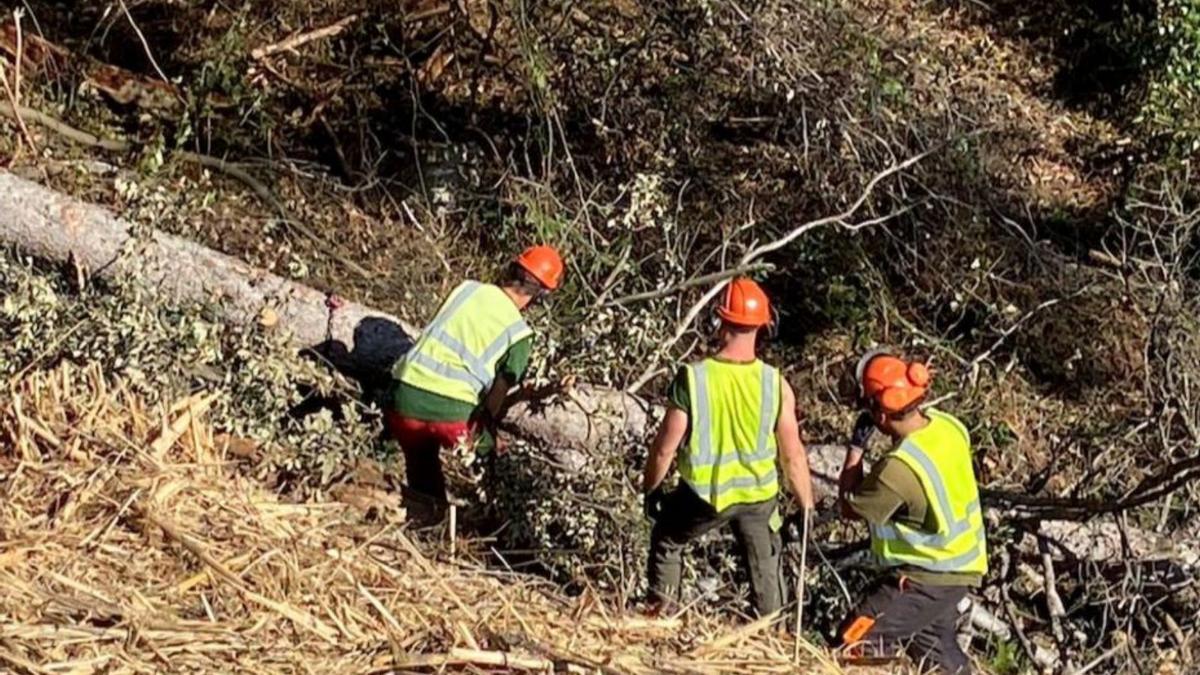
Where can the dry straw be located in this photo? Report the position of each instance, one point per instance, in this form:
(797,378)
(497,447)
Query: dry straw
(130,542)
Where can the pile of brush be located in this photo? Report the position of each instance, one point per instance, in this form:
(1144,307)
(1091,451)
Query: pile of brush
(133,543)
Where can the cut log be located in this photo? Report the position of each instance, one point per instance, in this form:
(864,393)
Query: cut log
(356,339)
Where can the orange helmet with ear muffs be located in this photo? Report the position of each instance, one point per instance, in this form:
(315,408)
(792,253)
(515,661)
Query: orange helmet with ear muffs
(891,384)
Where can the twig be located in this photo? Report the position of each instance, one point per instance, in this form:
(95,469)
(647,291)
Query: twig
(301,39)
(9,655)
(476,657)
(695,281)
(800,586)
(836,576)
(738,634)
(453,531)
(837,218)
(20,56)
(1054,604)
(1013,620)
(146,47)
(974,364)
(14,92)
(610,282)
(51,346)
(436,10)
(1099,659)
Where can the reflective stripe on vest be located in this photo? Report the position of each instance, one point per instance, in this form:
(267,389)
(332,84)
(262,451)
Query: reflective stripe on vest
(731,453)
(457,353)
(959,544)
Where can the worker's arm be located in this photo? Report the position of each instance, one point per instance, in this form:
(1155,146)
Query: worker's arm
(876,498)
(666,444)
(850,479)
(852,468)
(510,370)
(791,449)
(493,402)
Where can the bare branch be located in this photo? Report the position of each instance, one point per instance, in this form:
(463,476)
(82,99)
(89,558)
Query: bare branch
(695,281)
(146,47)
(300,39)
(752,255)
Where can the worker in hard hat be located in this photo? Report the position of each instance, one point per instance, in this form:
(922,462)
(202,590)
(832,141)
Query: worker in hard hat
(450,388)
(735,418)
(921,504)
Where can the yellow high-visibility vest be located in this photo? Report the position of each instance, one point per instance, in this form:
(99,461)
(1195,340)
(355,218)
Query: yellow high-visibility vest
(457,353)
(940,456)
(731,453)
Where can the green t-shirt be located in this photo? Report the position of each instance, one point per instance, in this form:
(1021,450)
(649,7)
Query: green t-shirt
(678,393)
(893,492)
(419,404)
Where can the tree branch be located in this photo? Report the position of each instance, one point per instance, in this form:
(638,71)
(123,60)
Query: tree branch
(695,281)
(759,251)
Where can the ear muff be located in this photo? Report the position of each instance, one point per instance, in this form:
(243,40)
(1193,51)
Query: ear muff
(918,374)
(771,330)
(714,321)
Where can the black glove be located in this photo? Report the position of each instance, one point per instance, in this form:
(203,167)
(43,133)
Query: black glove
(864,426)
(793,528)
(652,502)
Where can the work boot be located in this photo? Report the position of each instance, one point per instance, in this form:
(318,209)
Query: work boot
(424,510)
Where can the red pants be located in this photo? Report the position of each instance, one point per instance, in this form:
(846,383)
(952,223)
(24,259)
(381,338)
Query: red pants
(422,443)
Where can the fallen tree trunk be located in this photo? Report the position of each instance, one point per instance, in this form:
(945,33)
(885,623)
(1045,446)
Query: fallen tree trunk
(356,339)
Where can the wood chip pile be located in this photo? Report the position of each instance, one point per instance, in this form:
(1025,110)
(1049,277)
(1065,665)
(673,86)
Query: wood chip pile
(130,542)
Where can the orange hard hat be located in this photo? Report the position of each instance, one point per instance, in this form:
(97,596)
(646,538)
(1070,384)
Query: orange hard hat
(890,383)
(745,304)
(544,263)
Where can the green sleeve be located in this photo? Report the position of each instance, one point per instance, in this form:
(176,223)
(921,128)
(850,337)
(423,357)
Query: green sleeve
(679,395)
(874,499)
(515,362)
(901,479)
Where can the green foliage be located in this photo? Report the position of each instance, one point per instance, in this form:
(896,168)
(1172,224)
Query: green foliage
(163,353)
(1005,658)
(1173,106)
(584,522)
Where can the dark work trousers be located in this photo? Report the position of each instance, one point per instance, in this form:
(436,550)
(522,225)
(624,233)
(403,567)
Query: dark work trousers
(685,516)
(918,619)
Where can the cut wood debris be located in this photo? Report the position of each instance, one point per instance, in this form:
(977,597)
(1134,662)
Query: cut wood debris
(173,559)
(123,86)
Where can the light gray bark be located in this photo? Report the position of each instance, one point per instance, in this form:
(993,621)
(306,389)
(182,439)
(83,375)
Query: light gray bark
(55,227)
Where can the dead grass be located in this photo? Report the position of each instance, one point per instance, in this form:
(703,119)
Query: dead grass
(132,544)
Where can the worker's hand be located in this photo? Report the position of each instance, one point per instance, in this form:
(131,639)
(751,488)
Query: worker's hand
(793,527)
(864,427)
(652,503)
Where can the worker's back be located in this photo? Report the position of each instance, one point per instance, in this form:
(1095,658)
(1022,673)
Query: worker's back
(939,455)
(457,352)
(730,456)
